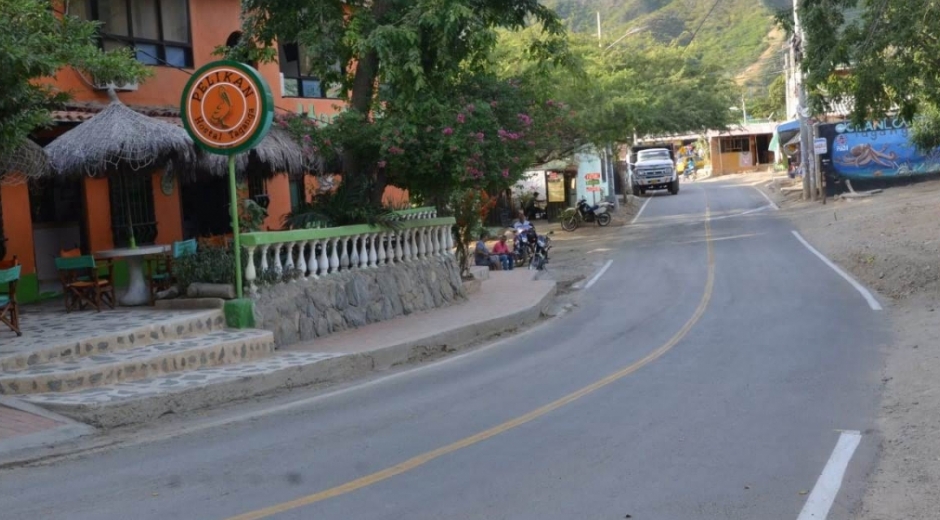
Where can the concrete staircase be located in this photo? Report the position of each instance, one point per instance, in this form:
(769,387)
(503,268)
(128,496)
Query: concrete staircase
(125,364)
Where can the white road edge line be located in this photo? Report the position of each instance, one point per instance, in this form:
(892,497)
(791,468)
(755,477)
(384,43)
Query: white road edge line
(772,203)
(827,487)
(872,302)
(597,276)
(743,213)
(638,213)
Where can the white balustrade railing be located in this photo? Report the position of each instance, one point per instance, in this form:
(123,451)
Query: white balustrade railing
(277,256)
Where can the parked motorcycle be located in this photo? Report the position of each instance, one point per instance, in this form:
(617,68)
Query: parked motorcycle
(573,217)
(530,249)
(540,257)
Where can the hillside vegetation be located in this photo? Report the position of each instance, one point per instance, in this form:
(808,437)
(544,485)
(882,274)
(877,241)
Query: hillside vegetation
(732,33)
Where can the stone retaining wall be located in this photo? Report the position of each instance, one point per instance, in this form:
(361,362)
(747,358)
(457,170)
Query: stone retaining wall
(302,310)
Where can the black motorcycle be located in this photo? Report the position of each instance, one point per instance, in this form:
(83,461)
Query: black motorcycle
(540,257)
(531,249)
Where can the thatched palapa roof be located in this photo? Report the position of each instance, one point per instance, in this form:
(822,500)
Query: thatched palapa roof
(276,153)
(28,159)
(119,138)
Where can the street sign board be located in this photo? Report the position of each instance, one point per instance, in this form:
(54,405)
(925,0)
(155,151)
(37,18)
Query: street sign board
(592,182)
(594,188)
(820,146)
(592,176)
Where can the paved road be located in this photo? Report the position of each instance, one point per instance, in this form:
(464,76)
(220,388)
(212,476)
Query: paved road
(732,359)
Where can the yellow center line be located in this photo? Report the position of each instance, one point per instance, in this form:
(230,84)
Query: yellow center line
(424,458)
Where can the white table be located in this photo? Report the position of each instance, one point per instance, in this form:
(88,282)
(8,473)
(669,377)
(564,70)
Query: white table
(137,291)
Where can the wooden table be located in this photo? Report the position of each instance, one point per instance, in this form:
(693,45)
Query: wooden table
(137,291)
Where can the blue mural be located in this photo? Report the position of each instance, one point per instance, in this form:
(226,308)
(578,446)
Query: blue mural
(879,149)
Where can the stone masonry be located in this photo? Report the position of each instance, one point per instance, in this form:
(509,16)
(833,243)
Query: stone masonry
(302,310)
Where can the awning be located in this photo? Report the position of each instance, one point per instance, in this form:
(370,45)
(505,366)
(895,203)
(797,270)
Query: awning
(789,126)
(774,147)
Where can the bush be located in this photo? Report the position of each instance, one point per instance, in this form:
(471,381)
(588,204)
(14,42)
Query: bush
(215,264)
(210,264)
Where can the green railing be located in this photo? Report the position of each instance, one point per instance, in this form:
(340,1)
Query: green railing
(275,256)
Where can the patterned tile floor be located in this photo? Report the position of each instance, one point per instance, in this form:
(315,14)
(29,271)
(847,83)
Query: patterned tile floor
(181,381)
(47,325)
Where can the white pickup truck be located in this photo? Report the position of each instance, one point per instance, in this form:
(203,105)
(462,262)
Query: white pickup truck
(654,169)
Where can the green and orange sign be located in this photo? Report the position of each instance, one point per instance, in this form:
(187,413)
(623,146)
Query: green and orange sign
(227,107)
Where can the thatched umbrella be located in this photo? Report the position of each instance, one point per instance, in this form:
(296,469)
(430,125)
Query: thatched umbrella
(28,159)
(118,139)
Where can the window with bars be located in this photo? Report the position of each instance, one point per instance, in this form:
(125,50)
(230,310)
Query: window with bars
(258,189)
(298,193)
(735,144)
(298,78)
(157,30)
(132,203)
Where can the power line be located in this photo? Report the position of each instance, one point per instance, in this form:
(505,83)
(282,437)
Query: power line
(697,29)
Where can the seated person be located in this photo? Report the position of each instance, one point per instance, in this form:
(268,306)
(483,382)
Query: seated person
(505,256)
(482,255)
(521,222)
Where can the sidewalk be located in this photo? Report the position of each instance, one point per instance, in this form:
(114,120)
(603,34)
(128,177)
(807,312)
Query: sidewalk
(24,427)
(505,302)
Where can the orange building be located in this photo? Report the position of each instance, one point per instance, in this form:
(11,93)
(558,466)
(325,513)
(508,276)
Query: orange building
(41,217)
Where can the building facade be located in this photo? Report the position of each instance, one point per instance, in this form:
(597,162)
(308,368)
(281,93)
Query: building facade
(40,218)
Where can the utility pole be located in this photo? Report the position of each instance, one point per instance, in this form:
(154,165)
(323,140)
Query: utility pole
(806,143)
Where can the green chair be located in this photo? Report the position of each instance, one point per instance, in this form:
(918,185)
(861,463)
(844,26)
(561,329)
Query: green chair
(9,309)
(83,283)
(160,267)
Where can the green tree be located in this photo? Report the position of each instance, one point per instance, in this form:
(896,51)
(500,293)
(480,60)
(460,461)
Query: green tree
(641,88)
(407,54)
(882,56)
(774,102)
(35,42)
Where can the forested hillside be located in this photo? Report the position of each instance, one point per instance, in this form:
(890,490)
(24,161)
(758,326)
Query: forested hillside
(739,34)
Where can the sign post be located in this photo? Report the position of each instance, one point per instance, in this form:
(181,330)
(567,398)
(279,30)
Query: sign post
(820,147)
(227,108)
(593,181)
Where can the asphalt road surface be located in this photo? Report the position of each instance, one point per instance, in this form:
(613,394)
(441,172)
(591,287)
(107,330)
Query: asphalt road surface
(708,374)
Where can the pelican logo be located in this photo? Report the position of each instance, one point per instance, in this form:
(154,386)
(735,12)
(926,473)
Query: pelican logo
(222,110)
(227,107)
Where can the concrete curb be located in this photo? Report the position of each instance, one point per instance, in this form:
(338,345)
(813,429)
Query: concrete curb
(324,372)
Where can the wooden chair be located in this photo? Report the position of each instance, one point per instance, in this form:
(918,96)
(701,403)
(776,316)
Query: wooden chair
(9,309)
(160,267)
(83,283)
(8,264)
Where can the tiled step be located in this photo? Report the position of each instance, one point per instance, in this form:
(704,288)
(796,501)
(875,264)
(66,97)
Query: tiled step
(66,336)
(222,347)
(144,400)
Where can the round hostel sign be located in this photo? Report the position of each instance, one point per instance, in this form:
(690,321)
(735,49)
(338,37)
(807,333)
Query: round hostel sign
(227,107)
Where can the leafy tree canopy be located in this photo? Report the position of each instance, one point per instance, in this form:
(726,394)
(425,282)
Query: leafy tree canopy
(773,104)
(883,56)
(35,42)
(408,56)
(640,87)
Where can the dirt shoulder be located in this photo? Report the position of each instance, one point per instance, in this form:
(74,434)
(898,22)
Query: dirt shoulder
(890,242)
